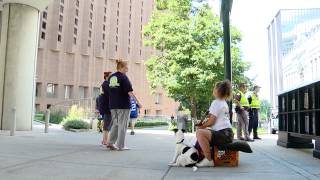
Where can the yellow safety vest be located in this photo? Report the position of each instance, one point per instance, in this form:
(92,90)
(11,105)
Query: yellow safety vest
(243,101)
(255,103)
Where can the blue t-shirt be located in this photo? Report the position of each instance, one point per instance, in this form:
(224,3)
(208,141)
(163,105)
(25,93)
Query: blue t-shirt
(134,108)
(119,87)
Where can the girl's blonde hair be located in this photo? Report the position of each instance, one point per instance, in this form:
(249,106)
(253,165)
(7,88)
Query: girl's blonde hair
(121,64)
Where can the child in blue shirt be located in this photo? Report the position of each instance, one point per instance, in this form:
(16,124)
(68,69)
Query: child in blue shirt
(133,114)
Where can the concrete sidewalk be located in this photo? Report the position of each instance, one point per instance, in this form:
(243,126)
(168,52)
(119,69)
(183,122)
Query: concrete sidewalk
(66,155)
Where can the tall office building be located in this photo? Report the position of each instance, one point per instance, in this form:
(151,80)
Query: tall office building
(81,39)
(294,50)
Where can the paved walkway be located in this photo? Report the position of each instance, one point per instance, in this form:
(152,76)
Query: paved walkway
(66,155)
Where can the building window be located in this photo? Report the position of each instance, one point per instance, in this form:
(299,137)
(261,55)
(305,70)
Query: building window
(90,34)
(129,33)
(77,12)
(106,2)
(96,92)
(77,3)
(59,38)
(105,19)
(74,40)
(75,31)
(116,48)
(90,24)
(128,50)
(44,25)
(140,52)
(129,41)
(105,10)
(130,17)
(91,6)
(158,98)
(158,113)
(117,21)
(89,43)
(83,92)
(61,9)
(118,4)
(76,21)
(44,15)
(91,15)
(43,35)
(129,24)
(118,13)
(67,92)
(147,112)
(38,90)
(61,18)
(102,45)
(103,36)
(37,108)
(117,30)
(104,27)
(62,1)
(60,28)
(116,38)
(52,90)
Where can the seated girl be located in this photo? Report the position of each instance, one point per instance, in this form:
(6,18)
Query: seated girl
(220,131)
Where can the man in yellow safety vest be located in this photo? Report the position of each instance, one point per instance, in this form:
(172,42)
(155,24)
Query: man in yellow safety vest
(242,108)
(255,104)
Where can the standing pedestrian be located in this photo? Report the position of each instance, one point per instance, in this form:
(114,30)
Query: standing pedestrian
(255,104)
(242,108)
(104,108)
(133,114)
(120,90)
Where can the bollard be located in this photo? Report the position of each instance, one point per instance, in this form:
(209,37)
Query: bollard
(14,120)
(47,120)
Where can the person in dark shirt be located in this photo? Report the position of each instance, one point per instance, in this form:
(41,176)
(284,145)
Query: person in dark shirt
(120,90)
(104,108)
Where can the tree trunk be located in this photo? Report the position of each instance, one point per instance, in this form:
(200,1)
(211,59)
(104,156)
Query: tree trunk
(193,112)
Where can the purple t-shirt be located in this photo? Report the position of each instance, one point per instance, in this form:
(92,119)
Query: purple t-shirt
(119,87)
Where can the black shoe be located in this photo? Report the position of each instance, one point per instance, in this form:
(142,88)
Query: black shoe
(132,133)
(256,137)
(249,139)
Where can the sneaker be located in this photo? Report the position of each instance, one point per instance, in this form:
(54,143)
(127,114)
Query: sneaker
(112,147)
(132,133)
(205,163)
(124,149)
(256,137)
(249,139)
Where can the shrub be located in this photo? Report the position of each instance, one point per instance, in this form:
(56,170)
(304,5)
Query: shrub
(75,124)
(150,123)
(57,117)
(76,112)
(39,116)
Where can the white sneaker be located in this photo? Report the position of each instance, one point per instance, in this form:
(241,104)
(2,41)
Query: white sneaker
(205,163)
(123,149)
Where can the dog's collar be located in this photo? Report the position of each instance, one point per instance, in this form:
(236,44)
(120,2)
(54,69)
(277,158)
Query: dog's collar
(180,141)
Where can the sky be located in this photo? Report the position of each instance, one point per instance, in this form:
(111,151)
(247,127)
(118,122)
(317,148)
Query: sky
(252,18)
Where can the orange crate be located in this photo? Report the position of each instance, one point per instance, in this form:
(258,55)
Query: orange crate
(226,158)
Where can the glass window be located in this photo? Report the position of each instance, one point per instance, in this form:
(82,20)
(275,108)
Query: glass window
(61,9)
(44,15)
(158,113)
(105,19)
(105,10)
(103,36)
(77,12)
(60,28)
(106,2)
(74,40)
(62,1)
(44,25)
(91,15)
(90,34)
(67,91)
(59,38)
(75,31)
(89,43)
(38,90)
(43,35)
(77,3)
(61,18)
(104,27)
(52,90)
(102,45)
(83,92)
(76,21)
(90,24)
(91,6)
(158,98)
(116,48)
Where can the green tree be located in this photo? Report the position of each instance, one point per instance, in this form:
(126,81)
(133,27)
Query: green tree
(265,110)
(190,58)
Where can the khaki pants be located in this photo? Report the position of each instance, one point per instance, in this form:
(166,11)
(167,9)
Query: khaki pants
(243,124)
(120,118)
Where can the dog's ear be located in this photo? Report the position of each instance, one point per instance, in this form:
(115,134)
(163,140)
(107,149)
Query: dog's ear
(183,130)
(175,130)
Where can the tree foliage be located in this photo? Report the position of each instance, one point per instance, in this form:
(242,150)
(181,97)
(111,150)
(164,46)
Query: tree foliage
(190,58)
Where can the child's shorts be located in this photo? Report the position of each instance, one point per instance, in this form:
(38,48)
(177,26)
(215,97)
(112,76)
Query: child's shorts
(224,136)
(107,122)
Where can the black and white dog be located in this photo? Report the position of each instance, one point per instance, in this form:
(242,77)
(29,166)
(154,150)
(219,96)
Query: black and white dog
(184,156)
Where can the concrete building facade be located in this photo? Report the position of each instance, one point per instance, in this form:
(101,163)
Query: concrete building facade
(294,50)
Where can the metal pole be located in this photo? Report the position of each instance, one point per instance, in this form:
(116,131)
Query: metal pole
(47,120)
(227,53)
(14,120)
